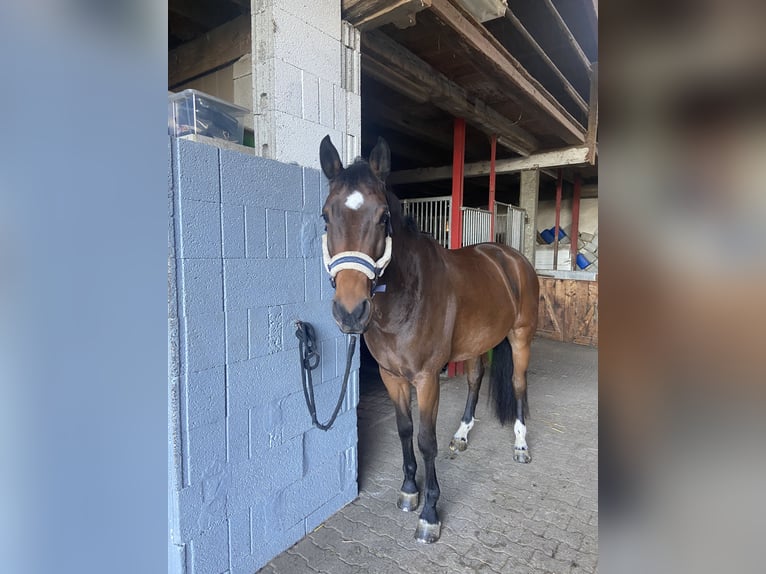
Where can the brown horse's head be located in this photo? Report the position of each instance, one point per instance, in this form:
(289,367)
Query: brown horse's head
(357,245)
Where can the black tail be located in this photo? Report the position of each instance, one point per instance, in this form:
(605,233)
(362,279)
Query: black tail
(501,383)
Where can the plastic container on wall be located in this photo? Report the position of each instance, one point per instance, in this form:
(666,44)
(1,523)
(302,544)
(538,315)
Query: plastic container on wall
(195,112)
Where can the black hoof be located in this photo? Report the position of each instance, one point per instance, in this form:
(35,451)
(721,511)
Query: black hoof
(427,533)
(521,455)
(460,444)
(408,502)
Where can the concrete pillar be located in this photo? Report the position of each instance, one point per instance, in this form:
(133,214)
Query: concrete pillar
(530,186)
(306,81)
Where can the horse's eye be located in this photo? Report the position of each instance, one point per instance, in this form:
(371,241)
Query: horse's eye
(385,218)
(324,216)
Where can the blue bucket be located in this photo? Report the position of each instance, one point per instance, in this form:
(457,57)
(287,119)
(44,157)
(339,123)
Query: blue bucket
(582,263)
(547,235)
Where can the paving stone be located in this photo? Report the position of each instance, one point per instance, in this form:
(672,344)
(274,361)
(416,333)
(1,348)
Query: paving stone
(497,515)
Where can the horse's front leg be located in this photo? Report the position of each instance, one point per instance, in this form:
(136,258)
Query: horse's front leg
(399,390)
(429,526)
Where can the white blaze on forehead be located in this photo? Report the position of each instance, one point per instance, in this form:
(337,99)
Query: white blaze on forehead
(354,200)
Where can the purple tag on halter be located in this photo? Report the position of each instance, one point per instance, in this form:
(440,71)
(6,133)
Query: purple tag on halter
(379,288)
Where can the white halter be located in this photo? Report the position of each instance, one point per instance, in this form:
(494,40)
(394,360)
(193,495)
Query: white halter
(356,260)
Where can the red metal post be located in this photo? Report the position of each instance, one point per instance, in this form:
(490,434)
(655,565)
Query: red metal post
(492,156)
(458,161)
(456,213)
(559,183)
(574,234)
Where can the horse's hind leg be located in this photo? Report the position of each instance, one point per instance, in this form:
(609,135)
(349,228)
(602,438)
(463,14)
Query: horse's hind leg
(520,340)
(474,374)
(399,391)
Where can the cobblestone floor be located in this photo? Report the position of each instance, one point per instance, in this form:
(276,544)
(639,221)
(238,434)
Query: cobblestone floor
(497,515)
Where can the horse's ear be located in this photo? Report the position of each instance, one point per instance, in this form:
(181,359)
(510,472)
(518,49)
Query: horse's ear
(329,158)
(380,159)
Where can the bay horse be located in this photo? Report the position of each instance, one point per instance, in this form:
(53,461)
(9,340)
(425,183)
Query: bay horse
(437,305)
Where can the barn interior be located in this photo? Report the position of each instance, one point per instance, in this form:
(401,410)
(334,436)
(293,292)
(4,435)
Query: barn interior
(521,71)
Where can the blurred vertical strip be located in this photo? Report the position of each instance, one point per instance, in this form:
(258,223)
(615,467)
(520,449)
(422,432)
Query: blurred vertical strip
(83,286)
(682,172)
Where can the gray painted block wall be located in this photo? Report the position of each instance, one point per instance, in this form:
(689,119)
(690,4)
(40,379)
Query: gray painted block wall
(249,475)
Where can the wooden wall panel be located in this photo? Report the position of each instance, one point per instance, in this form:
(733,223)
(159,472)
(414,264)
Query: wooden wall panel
(568,311)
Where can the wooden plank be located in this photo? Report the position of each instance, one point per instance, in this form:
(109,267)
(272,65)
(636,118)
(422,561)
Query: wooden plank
(217,48)
(492,54)
(571,40)
(568,311)
(370,14)
(550,316)
(576,97)
(394,61)
(576,155)
(591,137)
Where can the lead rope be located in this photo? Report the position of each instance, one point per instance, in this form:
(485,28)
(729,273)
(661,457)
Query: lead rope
(309,358)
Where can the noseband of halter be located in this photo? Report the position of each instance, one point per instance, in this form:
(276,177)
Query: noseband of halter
(357,261)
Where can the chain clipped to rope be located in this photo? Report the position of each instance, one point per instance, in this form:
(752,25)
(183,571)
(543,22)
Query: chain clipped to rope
(309,358)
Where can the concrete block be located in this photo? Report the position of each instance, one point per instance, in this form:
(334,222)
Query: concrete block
(253,283)
(288,88)
(207,449)
(275,330)
(314,275)
(255,232)
(258,330)
(238,432)
(236,330)
(327,104)
(233,221)
(310,92)
(302,498)
(255,181)
(203,339)
(329,361)
(319,314)
(200,229)
(308,236)
(261,381)
(210,551)
(311,190)
(325,511)
(353,114)
(291,37)
(277,541)
(324,189)
(197,168)
(302,150)
(276,241)
(202,286)
(205,396)
(324,16)
(348,468)
(294,233)
(239,533)
(322,447)
(339,99)
(352,395)
(270,470)
(290,418)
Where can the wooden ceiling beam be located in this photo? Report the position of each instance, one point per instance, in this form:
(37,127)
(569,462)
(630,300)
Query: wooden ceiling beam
(395,62)
(492,55)
(576,97)
(575,155)
(220,46)
(591,138)
(571,40)
(370,14)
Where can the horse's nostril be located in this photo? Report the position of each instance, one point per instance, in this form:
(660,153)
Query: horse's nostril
(356,320)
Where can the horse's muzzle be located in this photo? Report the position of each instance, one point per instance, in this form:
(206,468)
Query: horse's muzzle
(354,322)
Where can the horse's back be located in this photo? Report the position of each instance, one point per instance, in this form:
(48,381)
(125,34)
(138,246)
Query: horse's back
(497,291)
